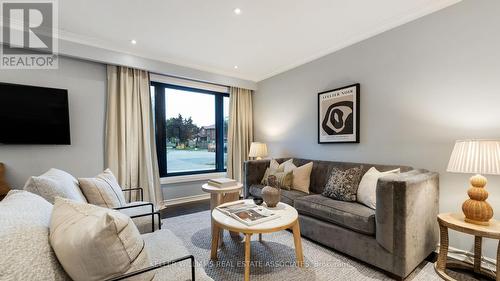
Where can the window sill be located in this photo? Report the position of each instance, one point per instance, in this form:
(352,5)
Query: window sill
(191,178)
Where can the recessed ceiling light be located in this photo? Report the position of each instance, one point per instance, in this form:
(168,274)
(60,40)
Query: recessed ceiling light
(237,11)
(235,67)
(133,42)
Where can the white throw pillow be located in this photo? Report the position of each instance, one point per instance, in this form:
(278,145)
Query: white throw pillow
(95,243)
(367,189)
(55,183)
(277,167)
(103,190)
(301,176)
(25,250)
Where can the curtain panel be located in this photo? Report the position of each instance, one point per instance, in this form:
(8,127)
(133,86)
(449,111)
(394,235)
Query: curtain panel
(130,149)
(240,132)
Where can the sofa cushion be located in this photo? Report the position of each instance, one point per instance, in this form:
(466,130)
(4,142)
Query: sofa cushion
(103,190)
(351,215)
(54,183)
(25,250)
(287,196)
(162,246)
(107,242)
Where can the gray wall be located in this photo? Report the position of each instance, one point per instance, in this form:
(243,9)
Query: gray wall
(423,85)
(86,84)
(183,189)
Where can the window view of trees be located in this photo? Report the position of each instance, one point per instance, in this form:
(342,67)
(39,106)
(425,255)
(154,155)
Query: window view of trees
(181,130)
(190,139)
(183,133)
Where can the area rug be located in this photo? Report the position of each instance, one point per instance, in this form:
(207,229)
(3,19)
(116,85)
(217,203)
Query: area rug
(274,257)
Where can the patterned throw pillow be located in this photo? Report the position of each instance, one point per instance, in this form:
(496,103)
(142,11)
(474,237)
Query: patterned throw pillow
(283,179)
(343,184)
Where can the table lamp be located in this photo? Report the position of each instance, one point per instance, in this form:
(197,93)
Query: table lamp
(476,157)
(258,150)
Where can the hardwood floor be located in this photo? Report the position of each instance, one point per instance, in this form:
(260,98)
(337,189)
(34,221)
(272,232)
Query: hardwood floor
(185,209)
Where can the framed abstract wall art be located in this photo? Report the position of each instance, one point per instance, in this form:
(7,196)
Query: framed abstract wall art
(338,115)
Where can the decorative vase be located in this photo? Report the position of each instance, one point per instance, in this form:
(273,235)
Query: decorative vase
(271,194)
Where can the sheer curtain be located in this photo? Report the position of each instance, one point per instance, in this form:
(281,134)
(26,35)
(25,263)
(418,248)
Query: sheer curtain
(240,132)
(130,150)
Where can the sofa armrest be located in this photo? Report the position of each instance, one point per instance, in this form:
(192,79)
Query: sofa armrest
(407,207)
(253,171)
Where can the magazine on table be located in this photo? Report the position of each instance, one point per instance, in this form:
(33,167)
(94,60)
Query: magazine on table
(248,213)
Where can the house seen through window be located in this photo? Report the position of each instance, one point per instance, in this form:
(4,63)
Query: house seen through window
(191,129)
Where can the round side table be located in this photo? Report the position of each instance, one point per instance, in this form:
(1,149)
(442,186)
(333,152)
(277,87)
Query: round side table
(221,195)
(456,222)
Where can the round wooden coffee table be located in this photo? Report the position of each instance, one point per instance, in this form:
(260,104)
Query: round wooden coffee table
(288,219)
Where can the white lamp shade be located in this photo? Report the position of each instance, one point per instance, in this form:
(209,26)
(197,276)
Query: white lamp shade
(258,149)
(475,157)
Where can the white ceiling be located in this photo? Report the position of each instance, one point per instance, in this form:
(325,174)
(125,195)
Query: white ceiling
(268,37)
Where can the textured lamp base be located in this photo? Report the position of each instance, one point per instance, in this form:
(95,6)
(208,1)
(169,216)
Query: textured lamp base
(476,209)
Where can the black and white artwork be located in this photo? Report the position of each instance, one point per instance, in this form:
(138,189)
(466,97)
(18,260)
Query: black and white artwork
(338,115)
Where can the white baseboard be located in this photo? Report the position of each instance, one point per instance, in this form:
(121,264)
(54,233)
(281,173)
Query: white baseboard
(187,199)
(468,257)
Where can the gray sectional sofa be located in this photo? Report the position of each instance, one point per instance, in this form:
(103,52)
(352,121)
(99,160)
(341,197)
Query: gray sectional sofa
(396,237)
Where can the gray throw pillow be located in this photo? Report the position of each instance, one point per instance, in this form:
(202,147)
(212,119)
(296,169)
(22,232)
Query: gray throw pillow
(343,184)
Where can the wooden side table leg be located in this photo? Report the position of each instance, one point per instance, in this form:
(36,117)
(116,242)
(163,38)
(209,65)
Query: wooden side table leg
(247,256)
(216,199)
(299,256)
(478,241)
(215,242)
(498,259)
(443,248)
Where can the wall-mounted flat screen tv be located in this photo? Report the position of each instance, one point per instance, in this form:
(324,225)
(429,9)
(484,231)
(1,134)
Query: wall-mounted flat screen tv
(33,115)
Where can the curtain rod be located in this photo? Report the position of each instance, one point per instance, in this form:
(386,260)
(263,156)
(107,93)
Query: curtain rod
(189,79)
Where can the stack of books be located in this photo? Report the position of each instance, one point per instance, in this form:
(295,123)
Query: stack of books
(222,182)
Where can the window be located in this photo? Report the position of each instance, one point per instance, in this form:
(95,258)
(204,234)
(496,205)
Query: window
(191,129)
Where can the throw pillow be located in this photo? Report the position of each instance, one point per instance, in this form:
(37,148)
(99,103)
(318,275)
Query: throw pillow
(103,190)
(302,177)
(274,165)
(54,183)
(283,179)
(94,243)
(367,190)
(343,184)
